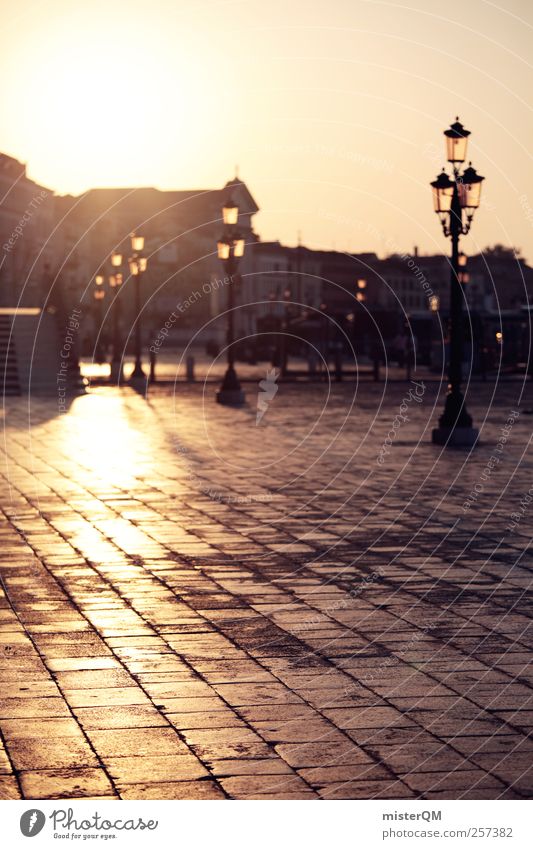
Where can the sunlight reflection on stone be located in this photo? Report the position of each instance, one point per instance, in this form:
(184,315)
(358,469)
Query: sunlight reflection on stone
(91,434)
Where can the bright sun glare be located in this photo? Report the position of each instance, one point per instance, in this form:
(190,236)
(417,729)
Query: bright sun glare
(104,100)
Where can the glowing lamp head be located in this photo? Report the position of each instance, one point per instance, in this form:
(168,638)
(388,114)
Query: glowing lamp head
(462,259)
(116,260)
(99,279)
(99,294)
(443,189)
(238,248)
(361,284)
(143,263)
(134,267)
(230,213)
(115,280)
(470,188)
(137,243)
(223,249)
(456,142)
(434,303)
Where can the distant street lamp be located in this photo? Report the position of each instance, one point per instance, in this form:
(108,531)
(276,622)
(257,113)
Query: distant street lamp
(230,249)
(99,295)
(137,264)
(325,338)
(115,281)
(464,276)
(455,203)
(285,324)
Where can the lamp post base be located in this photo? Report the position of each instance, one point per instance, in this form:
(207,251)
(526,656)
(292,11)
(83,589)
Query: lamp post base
(231,397)
(455,425)
(456,437)
(230,393)
(116,374)
(138,373)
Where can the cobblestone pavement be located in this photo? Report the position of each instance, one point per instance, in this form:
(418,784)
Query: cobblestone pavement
(198,607)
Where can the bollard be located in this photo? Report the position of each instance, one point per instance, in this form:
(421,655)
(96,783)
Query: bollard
(190,369)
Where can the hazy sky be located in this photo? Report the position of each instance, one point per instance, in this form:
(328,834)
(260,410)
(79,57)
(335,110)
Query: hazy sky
(333,109)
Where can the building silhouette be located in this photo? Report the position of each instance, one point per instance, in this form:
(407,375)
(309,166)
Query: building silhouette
(54,246)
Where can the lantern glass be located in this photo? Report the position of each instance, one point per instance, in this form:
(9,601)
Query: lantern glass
(99,279)
(456,148)
(238,248)
(470,194)
(443,189)
(134,267)
(456,142)
(143,263)
(230,213)
(137,243)
(223,250)
(116,260)
(442,199)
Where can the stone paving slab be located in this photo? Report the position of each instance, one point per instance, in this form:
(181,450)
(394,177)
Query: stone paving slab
(195,607)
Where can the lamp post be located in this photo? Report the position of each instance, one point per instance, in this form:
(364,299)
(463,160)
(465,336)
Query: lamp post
(455,203)
(115,281)
(137,264)
(272,325)
(230,248)
(99,295)
(285,324)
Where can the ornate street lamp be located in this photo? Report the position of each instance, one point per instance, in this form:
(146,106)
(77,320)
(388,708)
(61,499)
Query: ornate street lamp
(99,295)
(455,201)
(285,325)
(115,281)
(230,248)
(137,264)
